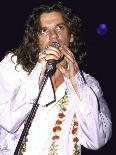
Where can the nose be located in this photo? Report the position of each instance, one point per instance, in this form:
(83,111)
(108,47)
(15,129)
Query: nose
(53,34)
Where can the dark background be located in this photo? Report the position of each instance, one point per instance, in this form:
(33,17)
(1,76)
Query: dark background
(100,49)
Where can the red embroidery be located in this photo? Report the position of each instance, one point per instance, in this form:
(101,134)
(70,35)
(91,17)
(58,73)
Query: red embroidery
(57,128)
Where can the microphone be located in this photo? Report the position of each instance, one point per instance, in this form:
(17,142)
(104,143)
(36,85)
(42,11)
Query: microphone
(51,64)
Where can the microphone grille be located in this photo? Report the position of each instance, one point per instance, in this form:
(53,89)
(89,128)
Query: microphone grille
(55,44)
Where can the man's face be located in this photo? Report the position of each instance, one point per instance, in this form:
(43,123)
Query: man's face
(53,29)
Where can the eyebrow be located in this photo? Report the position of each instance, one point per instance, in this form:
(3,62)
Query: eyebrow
(61,24)
(55,25)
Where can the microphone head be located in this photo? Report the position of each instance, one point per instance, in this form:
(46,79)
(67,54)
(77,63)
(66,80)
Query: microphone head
(55,44)
(51,64)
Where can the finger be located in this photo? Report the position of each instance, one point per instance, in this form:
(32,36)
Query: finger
(73,66)
(67,53)
(51,56)
(42,58)
(71,62)
(53,51)
(62,70)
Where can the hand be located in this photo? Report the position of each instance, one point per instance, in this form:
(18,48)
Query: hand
(48,54)
(72,68)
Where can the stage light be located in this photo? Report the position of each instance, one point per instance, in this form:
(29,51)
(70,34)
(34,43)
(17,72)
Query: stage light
(102,29)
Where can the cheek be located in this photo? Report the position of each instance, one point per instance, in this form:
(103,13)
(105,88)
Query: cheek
(65,40)
(40,45)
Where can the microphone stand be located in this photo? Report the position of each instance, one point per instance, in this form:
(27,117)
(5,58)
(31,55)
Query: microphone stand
(33,110)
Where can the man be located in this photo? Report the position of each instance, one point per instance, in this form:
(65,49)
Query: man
(72,111)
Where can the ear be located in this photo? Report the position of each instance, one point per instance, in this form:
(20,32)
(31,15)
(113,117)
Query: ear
(71,38)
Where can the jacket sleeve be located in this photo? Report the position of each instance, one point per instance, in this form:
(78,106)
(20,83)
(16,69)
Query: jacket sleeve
(17,91)
(95,127)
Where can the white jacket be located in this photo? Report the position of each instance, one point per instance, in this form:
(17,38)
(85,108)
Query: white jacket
(18,90)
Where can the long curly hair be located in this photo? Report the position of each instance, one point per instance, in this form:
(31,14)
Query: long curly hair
(27,52)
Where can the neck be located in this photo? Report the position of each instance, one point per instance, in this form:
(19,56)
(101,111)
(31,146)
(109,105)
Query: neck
(57,79)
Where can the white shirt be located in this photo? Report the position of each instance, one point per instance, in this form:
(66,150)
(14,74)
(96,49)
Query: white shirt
(18,90)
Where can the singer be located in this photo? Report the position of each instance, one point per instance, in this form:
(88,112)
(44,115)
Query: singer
(72,110)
